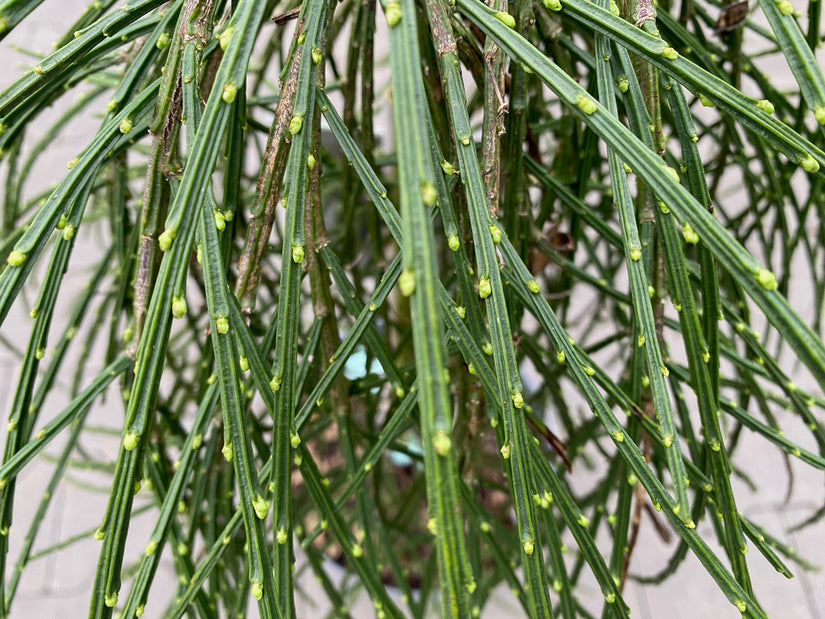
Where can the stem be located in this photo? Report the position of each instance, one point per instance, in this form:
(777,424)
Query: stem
(269,187)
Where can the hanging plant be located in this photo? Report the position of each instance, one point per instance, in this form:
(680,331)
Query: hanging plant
(451,294)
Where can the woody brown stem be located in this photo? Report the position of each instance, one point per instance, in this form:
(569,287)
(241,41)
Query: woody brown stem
(495,109)
(262,217)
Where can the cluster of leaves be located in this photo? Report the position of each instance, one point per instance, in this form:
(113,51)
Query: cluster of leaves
(320,340)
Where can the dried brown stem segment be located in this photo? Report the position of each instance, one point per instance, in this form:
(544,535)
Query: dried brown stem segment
(195,23)
(262,217)
(495,110)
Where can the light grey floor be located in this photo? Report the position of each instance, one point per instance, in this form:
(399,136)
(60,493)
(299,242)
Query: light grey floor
(58,586)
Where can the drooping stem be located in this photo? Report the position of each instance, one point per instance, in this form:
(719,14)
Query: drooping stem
(269,189)
(495,109)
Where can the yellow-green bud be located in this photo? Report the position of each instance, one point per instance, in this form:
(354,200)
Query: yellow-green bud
(220,221)
(528,546)
(165,239)
(587,105)
(740,605)
(406,282)
(298,253)
(163,41)
(230,91)
(690,234)
(766,279)
(505,18)
(442,443)
(16,258)
(765,105)
(225,36)
(505,451)
(485,289)
(257,589)
(130,441)
(228,452)
(261,507)
(809,164)
(316,55)
(178,307)
(452,242)
(126,125)
(393,13)
(221,324)
(296,123)
(429,193)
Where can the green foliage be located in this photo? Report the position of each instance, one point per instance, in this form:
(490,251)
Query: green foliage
(399,352)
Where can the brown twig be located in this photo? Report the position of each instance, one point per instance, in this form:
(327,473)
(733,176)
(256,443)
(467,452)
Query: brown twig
(287,16)
(262,217)
(155,200)
(495,110)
